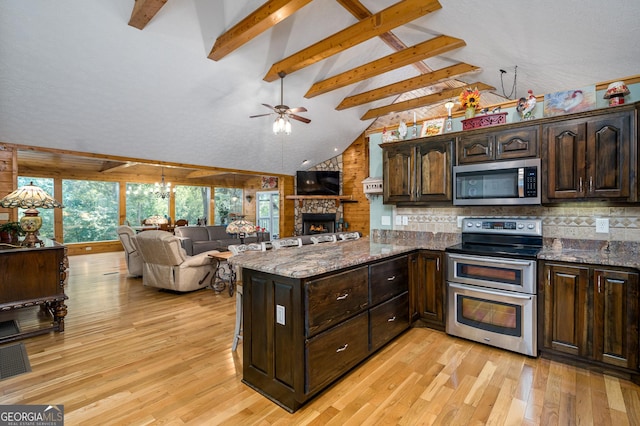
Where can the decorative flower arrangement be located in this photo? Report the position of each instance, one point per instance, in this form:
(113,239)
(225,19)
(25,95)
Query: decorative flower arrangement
(470,98)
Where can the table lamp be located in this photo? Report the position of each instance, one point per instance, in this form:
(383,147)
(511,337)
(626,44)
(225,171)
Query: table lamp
(616,92)
(30,197)
(242,228)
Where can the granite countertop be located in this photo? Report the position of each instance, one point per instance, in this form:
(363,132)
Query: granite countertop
(595,252)
(310,260)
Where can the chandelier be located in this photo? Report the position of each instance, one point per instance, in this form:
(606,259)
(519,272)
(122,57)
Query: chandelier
(162,189)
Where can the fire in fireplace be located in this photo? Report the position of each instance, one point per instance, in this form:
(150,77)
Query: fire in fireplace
(318,223)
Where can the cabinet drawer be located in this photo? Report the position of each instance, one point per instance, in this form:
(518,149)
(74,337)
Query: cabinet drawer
(474,149)
(332,299)
(388,279)
(517,143)
(388,320)
(334,352)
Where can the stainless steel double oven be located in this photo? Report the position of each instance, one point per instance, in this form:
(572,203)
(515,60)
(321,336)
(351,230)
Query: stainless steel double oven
(491,283)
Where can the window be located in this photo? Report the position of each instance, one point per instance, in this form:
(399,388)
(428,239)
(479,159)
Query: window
(192,203)
(46,231)
(141,204)
(90,210)
(227,201)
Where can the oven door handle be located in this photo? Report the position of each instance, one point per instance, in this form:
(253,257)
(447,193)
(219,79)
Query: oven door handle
(494,260)
(493,293)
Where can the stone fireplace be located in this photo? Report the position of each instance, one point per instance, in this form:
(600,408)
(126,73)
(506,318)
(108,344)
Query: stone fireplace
(318,223)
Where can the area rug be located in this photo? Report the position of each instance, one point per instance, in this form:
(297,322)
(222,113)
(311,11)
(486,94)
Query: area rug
(13,360)
(8,328)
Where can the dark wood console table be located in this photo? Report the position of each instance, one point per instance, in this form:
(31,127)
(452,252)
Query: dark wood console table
(34,277)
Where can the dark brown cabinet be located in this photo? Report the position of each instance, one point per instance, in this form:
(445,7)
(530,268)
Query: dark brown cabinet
(428,291)
(417,172)
(34,277)
(303,334)
(399,171)
(591,313)
(502,145)
(589,158)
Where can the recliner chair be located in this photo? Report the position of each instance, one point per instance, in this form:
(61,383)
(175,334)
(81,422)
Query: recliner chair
(127,237)
(166,264)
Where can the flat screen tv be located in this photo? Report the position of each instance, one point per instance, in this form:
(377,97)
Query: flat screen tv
(318,182)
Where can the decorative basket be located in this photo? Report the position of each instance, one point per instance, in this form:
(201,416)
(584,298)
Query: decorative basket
(484,121)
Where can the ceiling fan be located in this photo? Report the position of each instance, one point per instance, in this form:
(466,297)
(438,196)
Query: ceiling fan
(282,123)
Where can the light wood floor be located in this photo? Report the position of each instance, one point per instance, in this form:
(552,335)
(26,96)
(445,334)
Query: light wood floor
(134,355)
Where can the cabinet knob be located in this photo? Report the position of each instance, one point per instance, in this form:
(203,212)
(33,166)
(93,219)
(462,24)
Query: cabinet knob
(391,278)
(391,319)
(342,348)
(344,296)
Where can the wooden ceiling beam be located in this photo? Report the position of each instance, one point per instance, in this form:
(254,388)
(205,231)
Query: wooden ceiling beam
(266,16)
(379,23)
(144,11)
(426,49)
(196,174)
(112,166)
(406,85)
(421,101)
(360,11)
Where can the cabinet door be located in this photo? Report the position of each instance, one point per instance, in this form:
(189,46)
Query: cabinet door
(565,145)
(615,325)
(475,149)
(608,156)
(398,170)
(517,143)
(433,173)
(564,312)
(427,289)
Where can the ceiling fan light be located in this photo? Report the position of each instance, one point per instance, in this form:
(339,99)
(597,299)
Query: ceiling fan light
(281,125)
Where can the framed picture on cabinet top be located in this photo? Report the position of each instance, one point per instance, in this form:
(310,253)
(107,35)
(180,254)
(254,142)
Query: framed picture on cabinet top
(570,101)
(432,127)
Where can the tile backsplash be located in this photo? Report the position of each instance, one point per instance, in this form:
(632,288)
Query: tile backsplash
(576,221)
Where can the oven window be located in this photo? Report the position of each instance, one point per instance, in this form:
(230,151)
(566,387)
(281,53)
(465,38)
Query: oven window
(497,317)
(489,273)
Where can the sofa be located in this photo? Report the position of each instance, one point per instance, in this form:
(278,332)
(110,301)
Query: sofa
(198,239)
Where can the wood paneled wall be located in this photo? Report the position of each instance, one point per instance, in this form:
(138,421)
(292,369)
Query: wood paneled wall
(355,169)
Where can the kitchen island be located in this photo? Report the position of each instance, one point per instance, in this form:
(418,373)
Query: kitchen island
(312,313)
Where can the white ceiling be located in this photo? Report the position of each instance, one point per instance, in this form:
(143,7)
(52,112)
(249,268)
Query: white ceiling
(74,75)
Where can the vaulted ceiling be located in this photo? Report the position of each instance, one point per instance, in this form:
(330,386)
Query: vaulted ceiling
(176,80)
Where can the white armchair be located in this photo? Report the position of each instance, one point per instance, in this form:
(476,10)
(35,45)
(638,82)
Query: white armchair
(166,264)
(132,255)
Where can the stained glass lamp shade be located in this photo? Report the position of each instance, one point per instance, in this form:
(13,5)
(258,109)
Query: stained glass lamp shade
(242,228)
(30,197)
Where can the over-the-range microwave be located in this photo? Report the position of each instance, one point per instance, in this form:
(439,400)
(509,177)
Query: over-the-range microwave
(497,183)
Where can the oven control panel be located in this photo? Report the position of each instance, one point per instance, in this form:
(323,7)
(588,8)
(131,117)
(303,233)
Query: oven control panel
(502,226)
